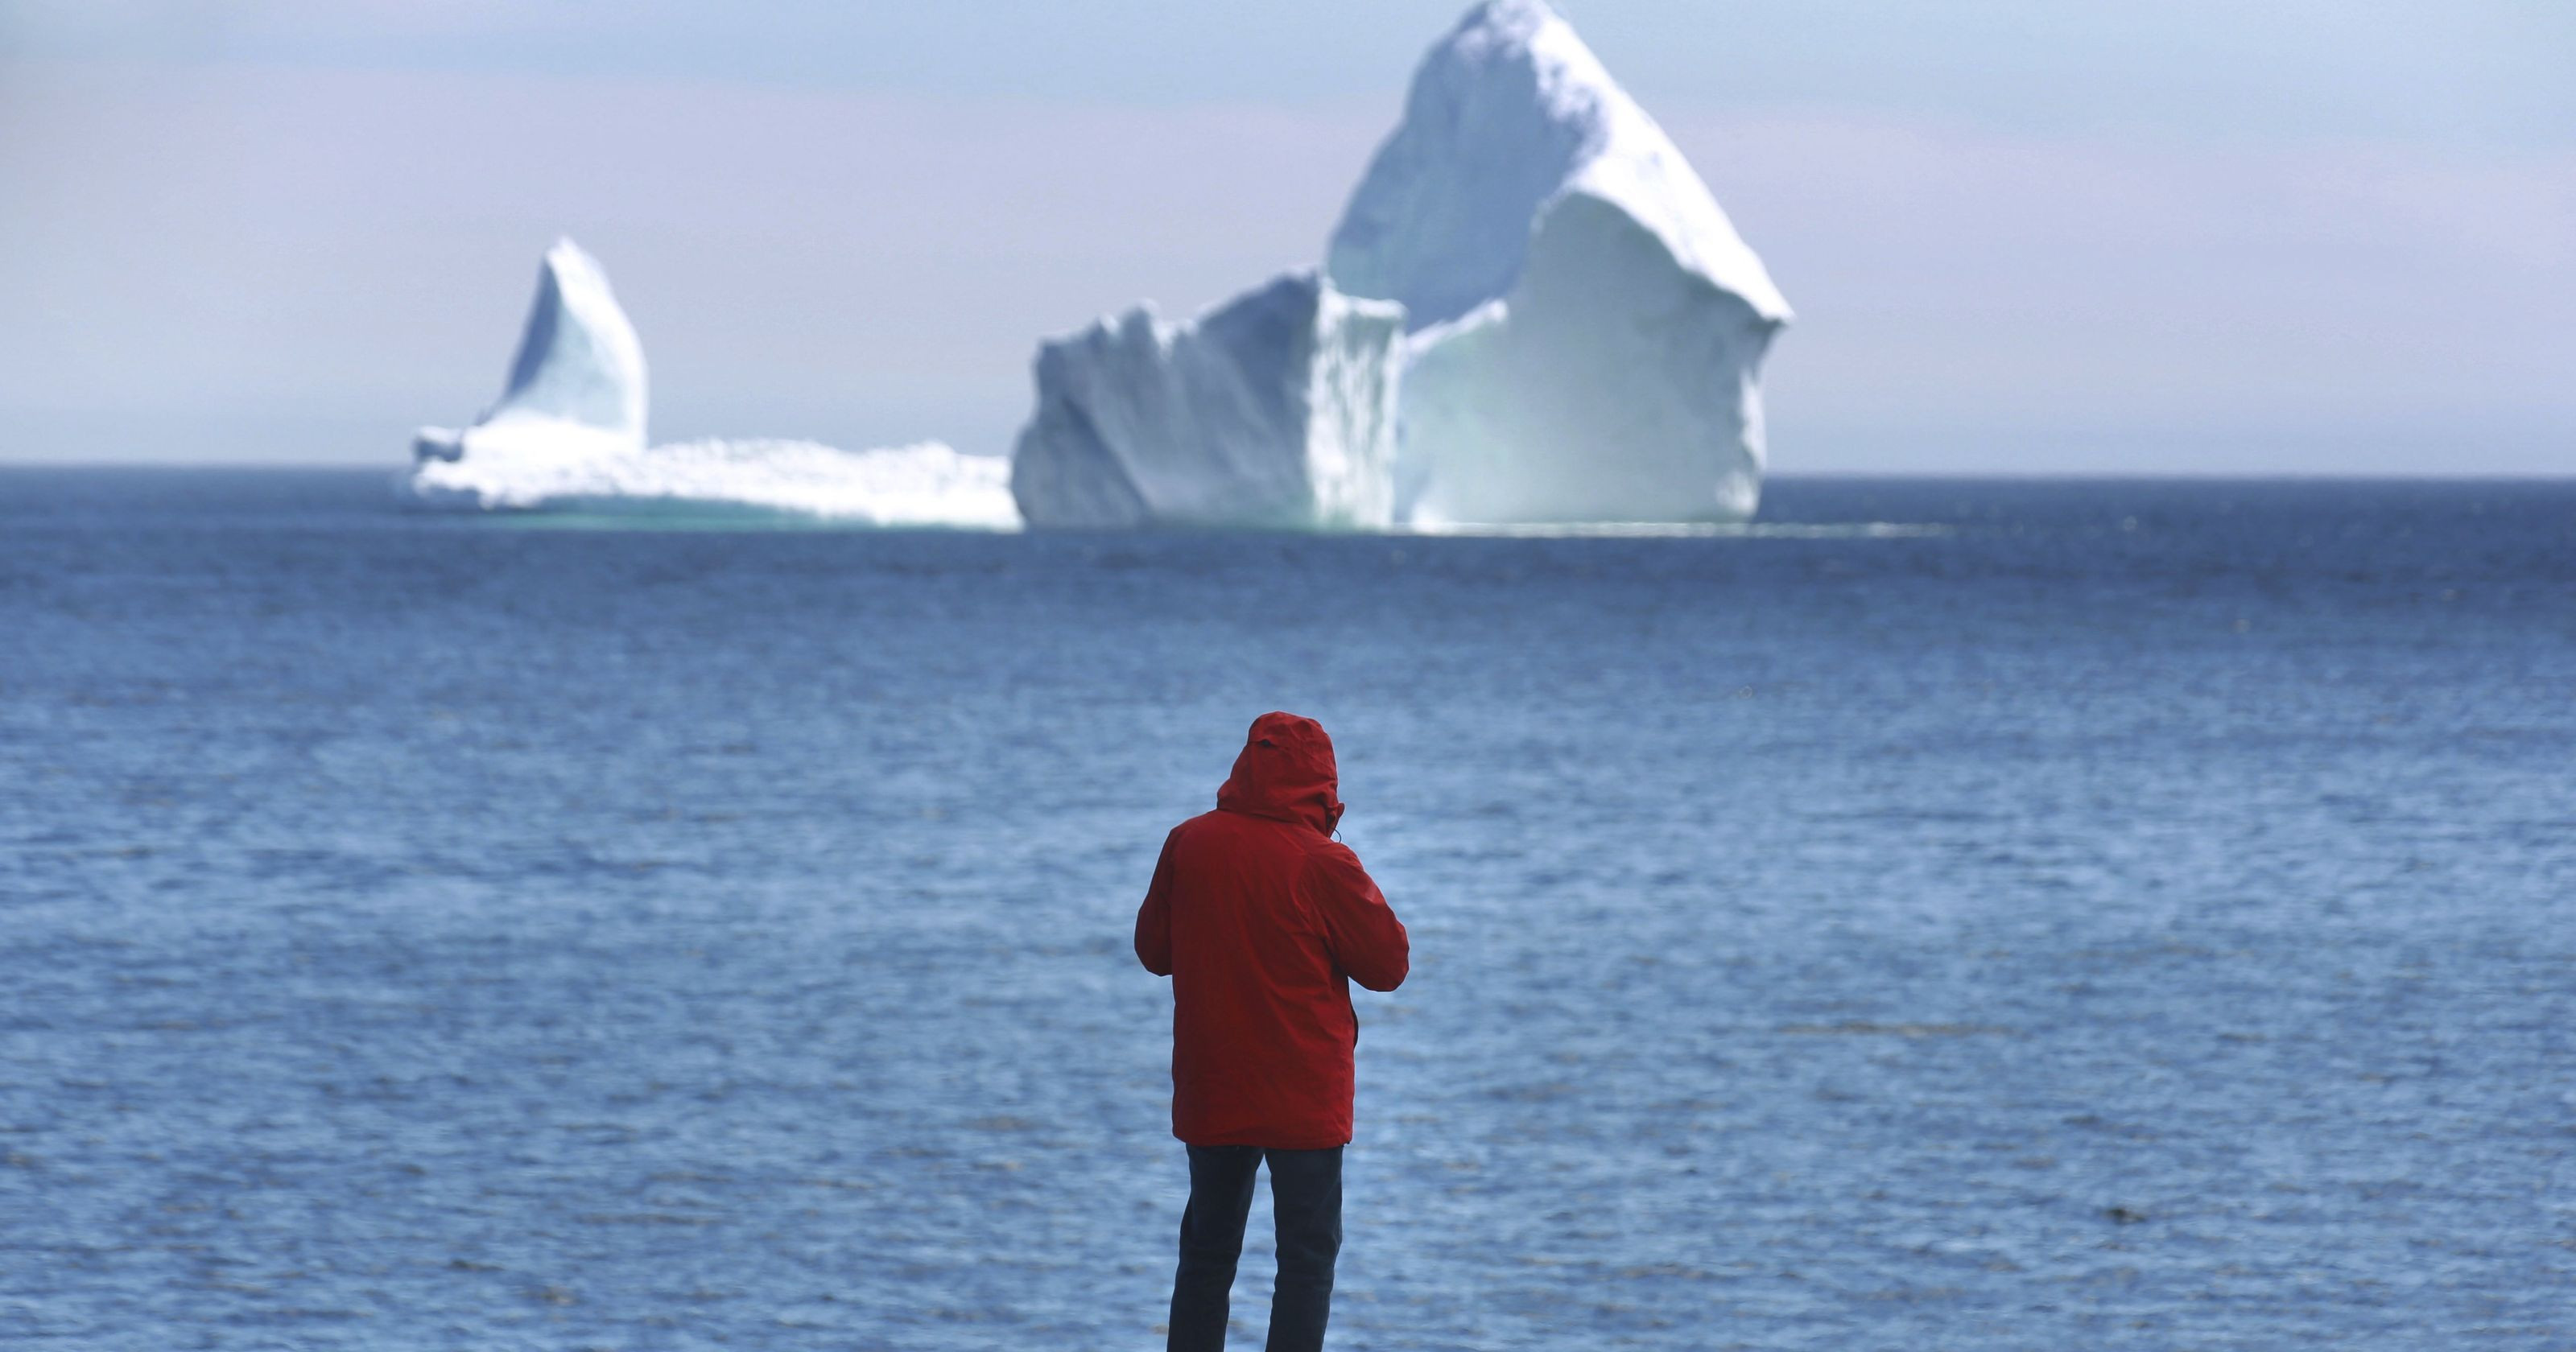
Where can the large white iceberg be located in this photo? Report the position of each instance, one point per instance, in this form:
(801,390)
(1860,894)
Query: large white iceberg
(1276,408)
(1588,327)
(568,432)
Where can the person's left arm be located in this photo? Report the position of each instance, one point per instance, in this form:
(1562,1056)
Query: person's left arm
(1366,939)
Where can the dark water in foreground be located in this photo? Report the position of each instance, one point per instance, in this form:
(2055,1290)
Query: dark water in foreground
(2131,916)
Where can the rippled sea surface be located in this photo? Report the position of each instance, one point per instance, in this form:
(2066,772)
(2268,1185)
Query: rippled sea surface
(2112,915)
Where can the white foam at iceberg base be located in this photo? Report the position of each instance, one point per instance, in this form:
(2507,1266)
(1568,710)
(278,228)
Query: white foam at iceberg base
(928,484)
(1276,408)
(1589,326)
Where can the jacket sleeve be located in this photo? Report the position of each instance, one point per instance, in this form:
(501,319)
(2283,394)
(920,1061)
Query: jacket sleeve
(1366,939)
(1154,918)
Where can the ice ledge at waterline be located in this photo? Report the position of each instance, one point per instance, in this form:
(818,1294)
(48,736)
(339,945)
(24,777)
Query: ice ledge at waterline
(923,485)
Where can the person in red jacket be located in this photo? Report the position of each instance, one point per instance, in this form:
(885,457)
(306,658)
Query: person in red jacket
(1263,920)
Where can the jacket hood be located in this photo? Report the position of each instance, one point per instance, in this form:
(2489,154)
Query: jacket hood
(1285,773)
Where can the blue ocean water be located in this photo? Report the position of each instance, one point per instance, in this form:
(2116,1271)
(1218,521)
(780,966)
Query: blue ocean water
(1962,914)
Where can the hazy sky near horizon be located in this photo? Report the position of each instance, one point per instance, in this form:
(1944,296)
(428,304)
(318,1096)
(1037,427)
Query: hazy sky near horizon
(2021,235)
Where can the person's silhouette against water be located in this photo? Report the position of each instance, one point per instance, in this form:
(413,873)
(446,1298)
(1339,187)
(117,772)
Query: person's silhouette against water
(1262,921)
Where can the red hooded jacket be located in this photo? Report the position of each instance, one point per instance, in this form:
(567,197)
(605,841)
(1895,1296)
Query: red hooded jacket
(1262,921)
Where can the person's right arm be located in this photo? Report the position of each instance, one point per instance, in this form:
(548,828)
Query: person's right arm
(1366,939)
(1154,918)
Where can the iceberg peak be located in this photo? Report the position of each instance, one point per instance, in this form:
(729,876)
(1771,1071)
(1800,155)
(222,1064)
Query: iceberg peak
(1507,114)
(576,386)
(579,359)
(1587,328)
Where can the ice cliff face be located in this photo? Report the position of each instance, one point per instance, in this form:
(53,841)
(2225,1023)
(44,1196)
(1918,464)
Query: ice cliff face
(1277,408)
(1589,327)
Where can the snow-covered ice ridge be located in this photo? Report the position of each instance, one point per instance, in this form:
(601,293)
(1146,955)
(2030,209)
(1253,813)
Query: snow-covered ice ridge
(568,432)
(1276,408)
(1585,333)
(1587,327)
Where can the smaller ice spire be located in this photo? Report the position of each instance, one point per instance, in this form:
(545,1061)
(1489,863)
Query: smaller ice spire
(579,360)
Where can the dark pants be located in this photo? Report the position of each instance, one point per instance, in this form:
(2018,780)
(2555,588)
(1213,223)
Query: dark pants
(1305,1196)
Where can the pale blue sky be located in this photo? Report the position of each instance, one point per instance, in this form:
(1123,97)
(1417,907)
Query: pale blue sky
(2037,236)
